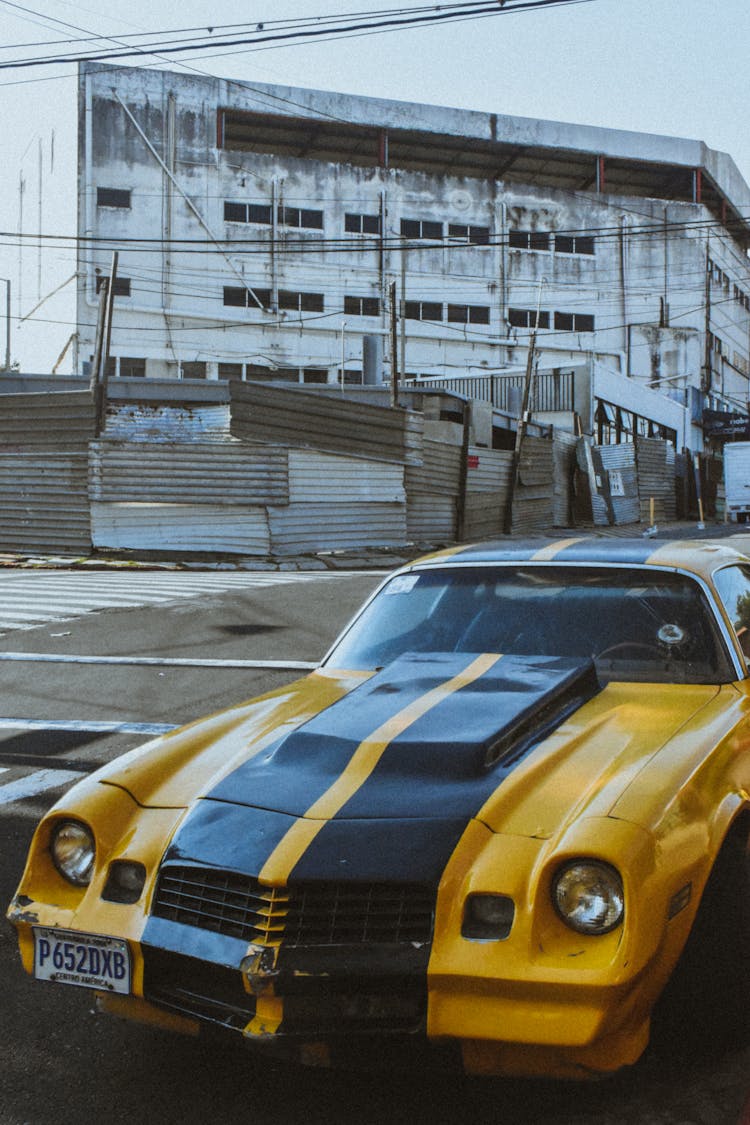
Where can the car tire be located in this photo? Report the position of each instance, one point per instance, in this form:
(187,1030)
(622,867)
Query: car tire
(705,1007)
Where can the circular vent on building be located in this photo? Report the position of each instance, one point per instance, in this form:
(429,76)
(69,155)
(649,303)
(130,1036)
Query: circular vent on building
(461,200)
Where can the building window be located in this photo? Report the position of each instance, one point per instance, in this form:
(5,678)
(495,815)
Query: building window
(237,297)
(362,306)
(574,322)
(529,239)
(112,197)
(362,224)
(301,217)
(526,318)
(193,369)
(247,212)
(574,244)
(477,236)
(232,372)
(132,367)
(423,310)
(314,375)
(421,228)
(468,314)
(121,286)
(291,301)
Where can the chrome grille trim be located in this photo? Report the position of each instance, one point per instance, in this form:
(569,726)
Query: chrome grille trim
(301,915)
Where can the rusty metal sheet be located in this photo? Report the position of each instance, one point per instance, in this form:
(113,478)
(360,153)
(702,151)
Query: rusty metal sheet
(301,418)
(195,528)
(188,473)
(431,518)
(440,470)
(54,420)
(488,470)
(167,422)
(44,502)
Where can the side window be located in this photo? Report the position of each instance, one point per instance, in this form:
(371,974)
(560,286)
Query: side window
(733,585)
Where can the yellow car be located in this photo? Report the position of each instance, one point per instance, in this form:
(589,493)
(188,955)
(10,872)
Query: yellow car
(508,812)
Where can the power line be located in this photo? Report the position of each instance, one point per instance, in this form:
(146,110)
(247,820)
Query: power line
(397,19)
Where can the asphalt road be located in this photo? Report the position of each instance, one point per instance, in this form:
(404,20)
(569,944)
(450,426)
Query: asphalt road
(62,1064)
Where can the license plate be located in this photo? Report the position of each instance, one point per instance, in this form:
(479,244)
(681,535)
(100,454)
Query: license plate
(88,960)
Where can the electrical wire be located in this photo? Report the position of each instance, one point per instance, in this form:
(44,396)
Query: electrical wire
(396,20)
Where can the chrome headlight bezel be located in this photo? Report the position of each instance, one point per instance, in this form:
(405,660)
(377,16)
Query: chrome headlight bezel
(588,896)
(73,851)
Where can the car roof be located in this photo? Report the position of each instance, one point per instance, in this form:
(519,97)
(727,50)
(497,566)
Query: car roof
(700,557)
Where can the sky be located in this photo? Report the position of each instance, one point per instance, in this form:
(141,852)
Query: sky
(674,67)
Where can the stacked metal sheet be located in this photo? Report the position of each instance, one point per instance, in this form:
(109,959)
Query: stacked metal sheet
(655,462)
(532,499)
(43,469)
(487,482)
(432,490)
(303,419)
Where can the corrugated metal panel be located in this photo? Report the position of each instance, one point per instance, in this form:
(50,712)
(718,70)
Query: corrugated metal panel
(167,422)
(44,502)
(655,461)
(532,499)
(301,418)
(488,470)
(302,528)
(181,527)
(440,470)
(563,460)
(188,473)
(316,477)
(431,518)
(619,462)
(484,515)
(55,419)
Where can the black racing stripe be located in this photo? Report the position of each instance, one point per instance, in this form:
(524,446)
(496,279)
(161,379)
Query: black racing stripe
(293,773)
(607,550)
(407,818)
(393,851)
(443,765)
(218,834)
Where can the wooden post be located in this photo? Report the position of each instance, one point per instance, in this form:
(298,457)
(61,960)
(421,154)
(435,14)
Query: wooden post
(394,345)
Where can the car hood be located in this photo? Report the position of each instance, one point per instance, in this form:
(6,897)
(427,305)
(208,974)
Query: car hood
(382,783)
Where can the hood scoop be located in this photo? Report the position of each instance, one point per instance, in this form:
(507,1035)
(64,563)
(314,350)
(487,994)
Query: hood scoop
(443,764)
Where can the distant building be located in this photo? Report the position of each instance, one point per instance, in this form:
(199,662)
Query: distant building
(260,229)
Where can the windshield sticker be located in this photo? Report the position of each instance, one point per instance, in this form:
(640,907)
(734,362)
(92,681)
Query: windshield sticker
(402,585)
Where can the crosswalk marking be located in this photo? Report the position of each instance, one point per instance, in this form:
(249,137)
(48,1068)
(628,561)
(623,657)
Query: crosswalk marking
(38,782)
(37,597)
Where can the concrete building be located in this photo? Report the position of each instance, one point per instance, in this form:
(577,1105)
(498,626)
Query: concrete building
(260,230)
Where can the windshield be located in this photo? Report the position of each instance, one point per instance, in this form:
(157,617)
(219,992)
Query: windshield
(635,624)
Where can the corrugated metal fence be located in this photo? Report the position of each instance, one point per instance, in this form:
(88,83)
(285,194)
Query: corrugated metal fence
(43,471)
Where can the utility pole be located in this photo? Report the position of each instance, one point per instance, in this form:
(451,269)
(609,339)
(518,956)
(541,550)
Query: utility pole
(394,345)
(99,372)
(523,419)
(7,322)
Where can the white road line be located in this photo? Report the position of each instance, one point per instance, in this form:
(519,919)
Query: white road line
(159,661)
(94,725)
(35,783)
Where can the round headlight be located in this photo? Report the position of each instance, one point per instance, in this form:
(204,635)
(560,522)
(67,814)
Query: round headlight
(588,896)
(73,851)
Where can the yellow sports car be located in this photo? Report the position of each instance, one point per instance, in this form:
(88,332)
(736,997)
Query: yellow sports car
(506,821)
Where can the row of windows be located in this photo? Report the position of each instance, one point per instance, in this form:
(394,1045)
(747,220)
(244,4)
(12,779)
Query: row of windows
(546,240)
(563,321)
(720,277)
(355,223)
(289,300)
(307,218)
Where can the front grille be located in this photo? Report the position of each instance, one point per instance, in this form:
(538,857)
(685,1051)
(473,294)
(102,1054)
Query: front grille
(303,914)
